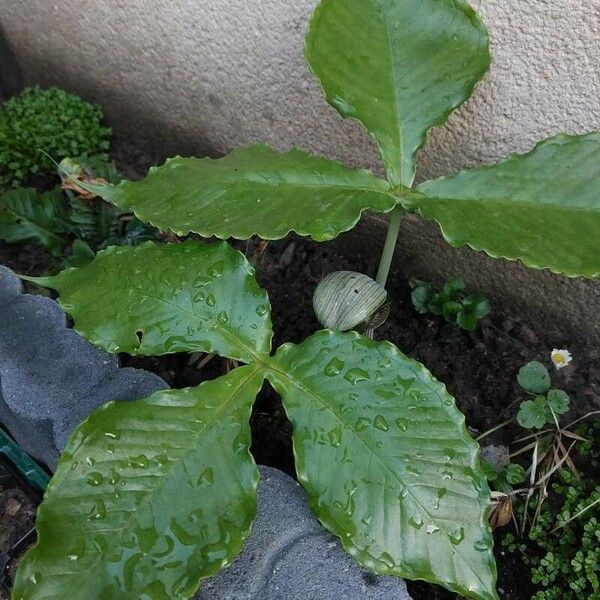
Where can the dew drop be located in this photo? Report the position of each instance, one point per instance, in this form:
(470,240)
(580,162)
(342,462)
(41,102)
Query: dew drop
(200,281)
(222,317)
(416,521)
(457,536)
(210,300)
(440,494)
(362,424)
(334,367)
(113,435)
(199,296)
(262,310)
(139,462)
(388,560)
(206,477)
(95,479)
(449,453)
(380,423)
(432,528)
(356,375)
(98,511)
(216,270)
(481,546)
(335,437)
(402,423)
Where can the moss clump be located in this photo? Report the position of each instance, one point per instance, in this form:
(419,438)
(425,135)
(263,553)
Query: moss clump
(52,120)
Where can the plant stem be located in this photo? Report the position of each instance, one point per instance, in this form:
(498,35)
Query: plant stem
(597,501)
(390,245)
(493,429)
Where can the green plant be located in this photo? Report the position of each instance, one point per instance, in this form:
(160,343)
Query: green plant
(563,548)
(547,404)
(550,444)
(70,227)
(152,496)
(452,302)
(53,121)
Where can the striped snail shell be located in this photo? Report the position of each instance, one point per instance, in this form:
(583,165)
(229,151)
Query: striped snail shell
(345,299)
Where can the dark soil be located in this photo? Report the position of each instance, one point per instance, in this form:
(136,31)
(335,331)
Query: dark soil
(17,517)
(479,368)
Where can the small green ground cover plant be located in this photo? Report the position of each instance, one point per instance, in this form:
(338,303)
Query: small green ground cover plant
(562,550)
(53,120)
(556,512)
(68,223)
(452,302)
(152,496)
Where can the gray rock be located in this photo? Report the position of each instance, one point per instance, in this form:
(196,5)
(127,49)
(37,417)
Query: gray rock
(290,556)
(496,454)
(51,378)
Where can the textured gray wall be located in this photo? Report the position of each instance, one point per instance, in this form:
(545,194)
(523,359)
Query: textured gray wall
(202,76)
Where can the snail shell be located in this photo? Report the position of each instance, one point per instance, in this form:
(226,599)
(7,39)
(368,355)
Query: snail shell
(345,299)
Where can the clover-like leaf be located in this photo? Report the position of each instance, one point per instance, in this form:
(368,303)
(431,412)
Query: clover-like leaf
(149,497)
(534,414)
(386,460)
(534,378)
(515,474)
(558,401)
(26,216)
(252,191)
(398,66)
(158,299)
(542,208)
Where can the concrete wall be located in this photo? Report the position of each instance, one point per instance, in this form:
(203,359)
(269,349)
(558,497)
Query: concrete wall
(202,76)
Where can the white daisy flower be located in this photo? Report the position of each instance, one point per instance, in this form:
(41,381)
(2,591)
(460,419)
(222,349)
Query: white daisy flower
(560,358)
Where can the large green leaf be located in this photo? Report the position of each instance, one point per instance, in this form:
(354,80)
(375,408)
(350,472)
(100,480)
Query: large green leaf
(542,208)
(158,299)
(149,497)
(398,66)
(26,216)
(252,191)
(386,460)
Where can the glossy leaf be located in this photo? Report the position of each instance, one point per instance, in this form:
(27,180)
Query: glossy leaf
(534,378)
(158,299)
(252,191)
(42,219)
(542,208)
(386,460)
(398,66)
(149,497)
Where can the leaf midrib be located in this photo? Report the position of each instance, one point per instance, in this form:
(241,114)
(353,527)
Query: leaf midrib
(394,78)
